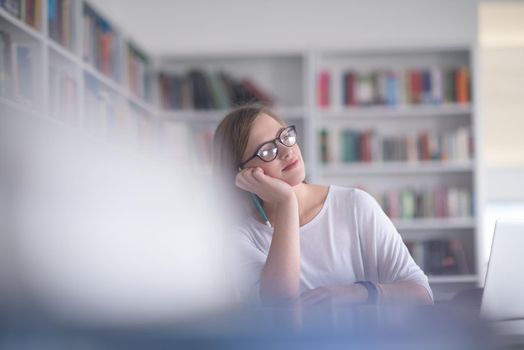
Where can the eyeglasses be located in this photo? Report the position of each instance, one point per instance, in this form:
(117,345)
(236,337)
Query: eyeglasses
(268,151)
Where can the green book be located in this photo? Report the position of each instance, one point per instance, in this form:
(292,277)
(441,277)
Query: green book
(350,151)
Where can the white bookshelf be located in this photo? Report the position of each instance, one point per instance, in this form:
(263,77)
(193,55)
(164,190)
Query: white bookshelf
(434,224)
(280,75)
(48,54)
(267,71)
(453,279)
(400,118)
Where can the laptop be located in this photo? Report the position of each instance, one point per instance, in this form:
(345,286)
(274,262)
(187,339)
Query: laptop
(503,297)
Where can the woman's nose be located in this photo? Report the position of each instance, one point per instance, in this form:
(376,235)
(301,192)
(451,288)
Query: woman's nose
(284,152)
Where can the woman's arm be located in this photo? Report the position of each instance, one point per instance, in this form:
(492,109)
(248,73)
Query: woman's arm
(279,281)
(390,293)
(280,277)
(404,292)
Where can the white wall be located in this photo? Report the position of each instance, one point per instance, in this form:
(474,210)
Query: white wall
(165,27)
(501,103)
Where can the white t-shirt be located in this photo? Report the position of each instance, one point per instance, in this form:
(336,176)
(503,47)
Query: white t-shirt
(351,239)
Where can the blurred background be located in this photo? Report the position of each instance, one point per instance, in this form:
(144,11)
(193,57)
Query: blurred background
(108,109)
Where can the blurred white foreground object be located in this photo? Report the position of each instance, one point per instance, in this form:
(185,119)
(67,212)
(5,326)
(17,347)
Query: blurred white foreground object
(103,236)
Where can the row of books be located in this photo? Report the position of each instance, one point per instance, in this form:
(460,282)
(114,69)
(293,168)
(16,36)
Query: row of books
(349,145)
(113,119)
(198,89)
(101,44)
(440,256)
(138,73)
(397,87)
(137,128)
(60,21)
(16,70)
(440,202)
(101,108)
(28,11)
(189,144)
(63,94)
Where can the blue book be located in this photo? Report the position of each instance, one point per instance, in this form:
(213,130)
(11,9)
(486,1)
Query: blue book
(392,89)
(426,87)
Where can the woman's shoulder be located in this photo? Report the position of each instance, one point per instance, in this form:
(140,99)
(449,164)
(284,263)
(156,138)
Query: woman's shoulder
(347,192)
(353,197)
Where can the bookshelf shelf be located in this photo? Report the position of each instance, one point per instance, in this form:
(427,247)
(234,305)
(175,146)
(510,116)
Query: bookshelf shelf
(453,279)
(59,49)
(388,168)
(194,116)
(24,27)
(434,224)
(19,107)
(215,116)
(118,88)
(400,111)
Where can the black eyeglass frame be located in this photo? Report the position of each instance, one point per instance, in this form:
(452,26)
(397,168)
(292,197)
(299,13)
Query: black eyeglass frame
(274,142)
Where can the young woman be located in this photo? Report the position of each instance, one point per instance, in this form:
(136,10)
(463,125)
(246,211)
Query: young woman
(323,242)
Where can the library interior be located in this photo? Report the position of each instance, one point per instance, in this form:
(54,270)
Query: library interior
(117,229)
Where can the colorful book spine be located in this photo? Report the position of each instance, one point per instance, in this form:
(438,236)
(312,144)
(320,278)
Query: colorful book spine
(198,90)
(63,95)
(369,146)
(438,202)
(101,44)
(138,71)
(323,91)
(428,86)
(6,65)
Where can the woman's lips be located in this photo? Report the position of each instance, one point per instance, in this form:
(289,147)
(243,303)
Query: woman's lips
(291,165)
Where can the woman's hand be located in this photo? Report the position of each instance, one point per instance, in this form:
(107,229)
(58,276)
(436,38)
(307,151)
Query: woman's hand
(268,188)
(342,294)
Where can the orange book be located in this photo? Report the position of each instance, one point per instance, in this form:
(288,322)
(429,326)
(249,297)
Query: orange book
(462,84)
(37,14)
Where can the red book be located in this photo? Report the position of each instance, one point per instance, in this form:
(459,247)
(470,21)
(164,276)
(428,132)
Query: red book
(365,146)
(350,90)
(424,146)
(165,90)
(323,89)
(415,86)
(105,52)
(394,209)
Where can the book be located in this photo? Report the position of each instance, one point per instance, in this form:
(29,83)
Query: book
(462,85)
(12,7)
(63,94)
(445,257)
(365,89)
(101,43)
(6,65)
(199,89)
(323,92)
(324,147)
(23,84)
(430,86)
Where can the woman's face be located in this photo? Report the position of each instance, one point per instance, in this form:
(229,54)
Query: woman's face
(287,166)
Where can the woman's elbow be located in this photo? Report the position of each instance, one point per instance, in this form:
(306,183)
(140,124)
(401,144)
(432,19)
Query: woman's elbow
(423,295)
(278,296)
